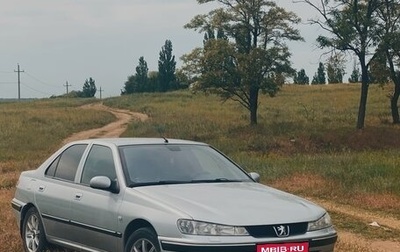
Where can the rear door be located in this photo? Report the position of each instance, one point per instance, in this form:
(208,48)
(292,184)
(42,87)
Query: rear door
(54,193)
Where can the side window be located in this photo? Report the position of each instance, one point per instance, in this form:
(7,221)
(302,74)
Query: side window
(65,166)
(99,162)
(51,171)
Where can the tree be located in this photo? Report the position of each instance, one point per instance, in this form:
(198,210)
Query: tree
(130,85)
(389,35)
(182,79)
(355,74)
(166,68)
(141,76)
(251,54)
(153,82)
(335,68)
(352,26)
(378,70)
(137,83)
(319,77)
(211,34)
(89,88)
(301,78)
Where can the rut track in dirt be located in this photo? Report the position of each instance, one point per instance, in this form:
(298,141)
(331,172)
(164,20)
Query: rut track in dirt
(365,245)
(114,129)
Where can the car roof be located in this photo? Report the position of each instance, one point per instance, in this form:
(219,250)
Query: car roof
(135,141)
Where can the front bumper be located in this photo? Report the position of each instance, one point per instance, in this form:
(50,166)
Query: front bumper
(16,205)
(316,244)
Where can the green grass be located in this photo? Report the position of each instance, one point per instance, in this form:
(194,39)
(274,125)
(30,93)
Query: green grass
(31,131)
(304,130)
(305,143)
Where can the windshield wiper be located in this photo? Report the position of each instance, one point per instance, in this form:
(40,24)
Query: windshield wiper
(175,182)
(161,182)
(217,180)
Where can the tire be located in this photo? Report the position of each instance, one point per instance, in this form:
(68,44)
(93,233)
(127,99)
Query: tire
(143,240)
(33,236)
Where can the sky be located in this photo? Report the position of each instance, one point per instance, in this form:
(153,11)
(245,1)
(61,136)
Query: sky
(60,41)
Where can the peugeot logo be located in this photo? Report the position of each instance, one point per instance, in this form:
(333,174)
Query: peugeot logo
(282,231)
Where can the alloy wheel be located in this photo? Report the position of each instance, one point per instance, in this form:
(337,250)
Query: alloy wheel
(32,233)
(143,245)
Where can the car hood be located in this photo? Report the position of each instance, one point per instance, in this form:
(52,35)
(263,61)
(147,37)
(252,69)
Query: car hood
(238,204)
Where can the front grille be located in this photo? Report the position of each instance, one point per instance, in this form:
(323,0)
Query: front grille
(264,231)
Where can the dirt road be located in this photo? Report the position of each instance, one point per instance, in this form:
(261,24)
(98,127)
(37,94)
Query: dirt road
(358,242)
(114,129)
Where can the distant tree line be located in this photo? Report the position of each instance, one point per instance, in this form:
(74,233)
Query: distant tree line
(333,71)
(89,90)
(164,80)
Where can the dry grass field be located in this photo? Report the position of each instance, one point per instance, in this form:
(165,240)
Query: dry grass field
(305,143)
(29,132)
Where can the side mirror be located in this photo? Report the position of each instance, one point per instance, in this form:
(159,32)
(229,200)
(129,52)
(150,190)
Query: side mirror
(255,176)
(104,183)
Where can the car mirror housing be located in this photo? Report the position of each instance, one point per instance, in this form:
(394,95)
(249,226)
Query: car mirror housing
(100,182)
(104,183)
(255,176)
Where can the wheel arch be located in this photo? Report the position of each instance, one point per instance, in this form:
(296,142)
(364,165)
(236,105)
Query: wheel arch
(24,210)
(135,225)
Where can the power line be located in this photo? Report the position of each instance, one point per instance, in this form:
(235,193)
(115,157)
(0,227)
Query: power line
(42,82)
(33,89)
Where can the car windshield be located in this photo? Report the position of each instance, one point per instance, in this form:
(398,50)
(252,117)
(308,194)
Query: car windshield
(175,164)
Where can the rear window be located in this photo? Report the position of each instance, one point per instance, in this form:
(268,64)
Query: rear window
(65,166)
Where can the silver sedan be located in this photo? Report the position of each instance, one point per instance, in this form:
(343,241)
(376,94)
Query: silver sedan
(153,195)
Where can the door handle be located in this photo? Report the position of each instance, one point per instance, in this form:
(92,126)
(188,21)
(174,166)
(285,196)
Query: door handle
(78,196)
(41,188)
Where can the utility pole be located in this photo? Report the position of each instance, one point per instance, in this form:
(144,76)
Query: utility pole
(19,81)
(100,91)
(67,85)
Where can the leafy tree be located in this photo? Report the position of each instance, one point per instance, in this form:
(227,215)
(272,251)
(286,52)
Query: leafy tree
(330,70)
(166,68)
(182,79)
(141,76)
(336,68)
(251,54)
(211,34)
(319,77)
(301,78)
(130,85)
(153,82)
(352,26)
(137,83)
(193,65)
(389,36)
(378,71)
(89,88)
(355,74)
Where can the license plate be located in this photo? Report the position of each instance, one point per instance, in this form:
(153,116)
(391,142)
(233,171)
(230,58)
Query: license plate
(283,247)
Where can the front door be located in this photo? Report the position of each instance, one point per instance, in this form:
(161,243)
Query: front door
(95,211)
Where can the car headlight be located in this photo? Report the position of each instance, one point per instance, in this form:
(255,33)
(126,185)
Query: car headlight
(191,227)
(323,222)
